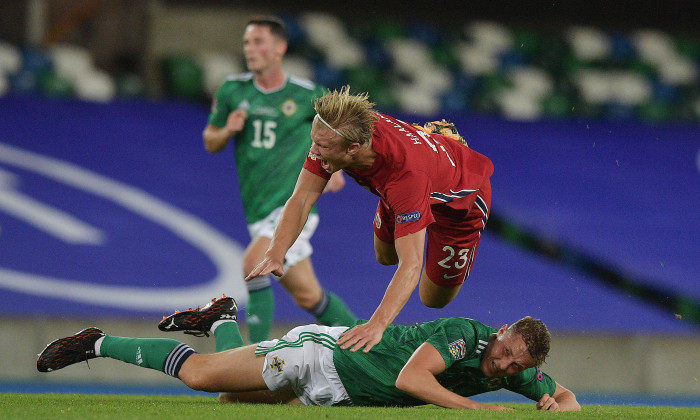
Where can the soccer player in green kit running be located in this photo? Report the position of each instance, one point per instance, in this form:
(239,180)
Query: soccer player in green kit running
(269,114)
(442,362)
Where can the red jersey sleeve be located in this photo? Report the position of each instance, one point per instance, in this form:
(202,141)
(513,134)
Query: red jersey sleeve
(408,198)
(313,165)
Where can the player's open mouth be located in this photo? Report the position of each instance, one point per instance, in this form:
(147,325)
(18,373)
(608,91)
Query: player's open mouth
(325,165)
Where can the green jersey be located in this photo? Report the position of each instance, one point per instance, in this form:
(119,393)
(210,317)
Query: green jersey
(271,149)
(369,378)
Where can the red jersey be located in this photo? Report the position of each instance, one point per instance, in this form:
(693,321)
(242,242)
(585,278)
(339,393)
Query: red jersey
(416,174)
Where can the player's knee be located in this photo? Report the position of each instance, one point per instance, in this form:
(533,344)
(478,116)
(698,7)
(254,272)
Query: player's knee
(435,301)
(196,380)
(307,299)
(249,263)
(385,252)
(385,259)
(435,305)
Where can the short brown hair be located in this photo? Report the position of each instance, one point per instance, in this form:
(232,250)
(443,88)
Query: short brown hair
(352,115)
(536,337)
(276,25)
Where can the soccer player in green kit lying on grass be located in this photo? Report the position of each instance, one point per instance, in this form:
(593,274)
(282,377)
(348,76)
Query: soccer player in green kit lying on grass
(442,362)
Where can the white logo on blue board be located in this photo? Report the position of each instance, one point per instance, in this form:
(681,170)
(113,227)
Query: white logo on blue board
(225,254)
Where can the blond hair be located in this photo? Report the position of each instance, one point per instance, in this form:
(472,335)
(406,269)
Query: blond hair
(536,337)
(351,115)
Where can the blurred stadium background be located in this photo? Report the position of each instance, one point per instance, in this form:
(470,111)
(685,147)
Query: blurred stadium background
(111,213)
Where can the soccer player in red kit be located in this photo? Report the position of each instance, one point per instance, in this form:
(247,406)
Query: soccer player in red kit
(429,185)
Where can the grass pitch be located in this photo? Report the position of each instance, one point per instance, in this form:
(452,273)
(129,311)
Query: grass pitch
(83,406)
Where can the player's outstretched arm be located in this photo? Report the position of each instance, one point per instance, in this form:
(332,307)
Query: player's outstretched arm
(409,249)
(294,216)
(562,400)
(417,378)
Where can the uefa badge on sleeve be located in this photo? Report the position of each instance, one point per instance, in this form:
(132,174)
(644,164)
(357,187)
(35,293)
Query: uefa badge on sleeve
(458,349)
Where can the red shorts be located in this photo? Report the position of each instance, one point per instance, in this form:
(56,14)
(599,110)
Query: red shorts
(452,240)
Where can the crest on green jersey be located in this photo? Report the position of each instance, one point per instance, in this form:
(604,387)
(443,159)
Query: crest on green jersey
(289,107)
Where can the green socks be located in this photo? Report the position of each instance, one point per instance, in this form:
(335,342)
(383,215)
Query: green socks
(168,355)
(260,311)
(227,335)
(332,311)
(162,354)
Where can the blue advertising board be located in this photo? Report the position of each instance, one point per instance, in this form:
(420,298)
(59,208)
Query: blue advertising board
(116,210)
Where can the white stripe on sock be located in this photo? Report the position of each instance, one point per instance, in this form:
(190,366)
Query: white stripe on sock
(98,346)
(216,324)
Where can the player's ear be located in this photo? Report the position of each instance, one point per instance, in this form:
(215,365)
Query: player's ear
(502,330)
(353,148)
(281,47)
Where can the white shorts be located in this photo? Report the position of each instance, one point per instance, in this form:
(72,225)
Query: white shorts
(303,359)
(301,249)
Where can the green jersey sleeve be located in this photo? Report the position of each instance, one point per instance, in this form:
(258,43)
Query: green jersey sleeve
(532,383)
(458,340)
(220,108)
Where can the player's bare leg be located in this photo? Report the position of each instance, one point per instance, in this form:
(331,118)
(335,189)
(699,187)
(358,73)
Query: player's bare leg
(385,252)
(235,370)
(238,372)
(303,285)
(254,252)
(433,295)
(301,282)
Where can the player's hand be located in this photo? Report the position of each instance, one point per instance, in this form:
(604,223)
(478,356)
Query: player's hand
(547,403)
(366,335)
(236,120)
(336,183)
(265,267)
